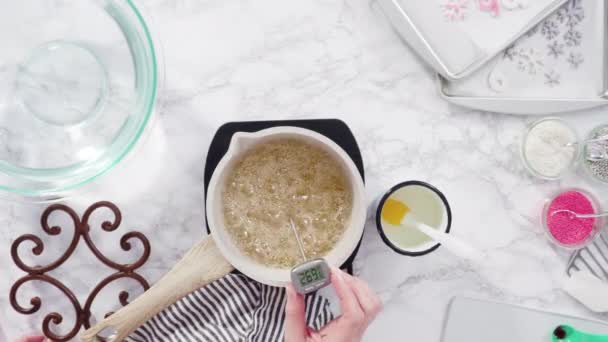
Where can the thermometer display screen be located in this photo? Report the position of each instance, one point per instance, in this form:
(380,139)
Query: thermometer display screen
(311,275)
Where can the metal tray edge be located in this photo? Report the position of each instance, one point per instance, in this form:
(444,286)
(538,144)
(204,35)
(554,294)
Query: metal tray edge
(521,106)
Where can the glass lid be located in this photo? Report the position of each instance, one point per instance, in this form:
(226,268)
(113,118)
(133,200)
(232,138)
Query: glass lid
(78,82)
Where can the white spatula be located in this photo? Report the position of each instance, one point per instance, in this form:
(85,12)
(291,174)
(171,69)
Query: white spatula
(399,214)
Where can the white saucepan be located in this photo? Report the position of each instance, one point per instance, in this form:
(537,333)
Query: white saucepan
(217,255)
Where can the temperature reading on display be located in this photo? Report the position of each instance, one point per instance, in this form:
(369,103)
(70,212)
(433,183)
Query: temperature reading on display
(311,275)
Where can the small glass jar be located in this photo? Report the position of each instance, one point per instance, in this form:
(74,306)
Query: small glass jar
(596,170)
(597,226)
(526,161)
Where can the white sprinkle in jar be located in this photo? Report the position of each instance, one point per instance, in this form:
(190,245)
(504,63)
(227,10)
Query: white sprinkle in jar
(550,148)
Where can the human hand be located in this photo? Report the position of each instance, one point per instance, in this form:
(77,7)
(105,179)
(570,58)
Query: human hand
(359,305)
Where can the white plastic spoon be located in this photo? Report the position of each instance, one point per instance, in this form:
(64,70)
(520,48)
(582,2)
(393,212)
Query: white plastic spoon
(572,214)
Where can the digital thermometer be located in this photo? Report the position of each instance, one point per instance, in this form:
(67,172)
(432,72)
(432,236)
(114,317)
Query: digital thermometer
(311,275)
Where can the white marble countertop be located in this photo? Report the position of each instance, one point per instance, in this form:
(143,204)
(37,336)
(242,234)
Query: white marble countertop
(232,60)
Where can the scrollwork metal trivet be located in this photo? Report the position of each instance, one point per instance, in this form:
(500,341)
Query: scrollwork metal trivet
(40,273)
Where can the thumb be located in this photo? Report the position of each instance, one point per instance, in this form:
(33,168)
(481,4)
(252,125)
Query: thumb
(295,321)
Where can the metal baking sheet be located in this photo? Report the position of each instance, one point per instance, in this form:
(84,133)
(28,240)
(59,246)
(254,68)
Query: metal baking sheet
(559,66)
(479,320)
(456,37)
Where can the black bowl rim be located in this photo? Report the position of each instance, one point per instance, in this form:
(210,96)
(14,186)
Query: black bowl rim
(379,218)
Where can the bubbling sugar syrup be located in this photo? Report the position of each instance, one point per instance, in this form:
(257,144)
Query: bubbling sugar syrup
(278,181)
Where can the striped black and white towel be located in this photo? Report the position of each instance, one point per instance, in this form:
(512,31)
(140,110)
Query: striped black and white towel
(234,308)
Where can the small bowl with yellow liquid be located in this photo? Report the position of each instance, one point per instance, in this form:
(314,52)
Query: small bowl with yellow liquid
(424,202)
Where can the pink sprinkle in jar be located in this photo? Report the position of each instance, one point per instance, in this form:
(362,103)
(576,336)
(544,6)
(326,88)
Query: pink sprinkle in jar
(566,230)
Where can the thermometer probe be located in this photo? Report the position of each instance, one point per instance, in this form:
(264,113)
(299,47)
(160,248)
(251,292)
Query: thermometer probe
(310,275)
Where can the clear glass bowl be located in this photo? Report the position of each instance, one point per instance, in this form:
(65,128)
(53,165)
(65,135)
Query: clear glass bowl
(524,157)
(78,84)
(597,227)
(584,153)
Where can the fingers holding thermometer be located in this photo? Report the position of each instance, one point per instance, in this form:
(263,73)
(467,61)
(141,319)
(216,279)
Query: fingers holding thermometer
(368,300)
(358,302)
(359,305)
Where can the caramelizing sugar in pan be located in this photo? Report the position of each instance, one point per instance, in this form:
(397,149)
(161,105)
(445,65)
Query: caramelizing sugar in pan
(280,180)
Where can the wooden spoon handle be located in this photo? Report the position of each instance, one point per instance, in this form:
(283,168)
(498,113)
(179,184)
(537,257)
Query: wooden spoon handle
(203,264)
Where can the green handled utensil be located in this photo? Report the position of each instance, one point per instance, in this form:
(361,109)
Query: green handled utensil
(569,334)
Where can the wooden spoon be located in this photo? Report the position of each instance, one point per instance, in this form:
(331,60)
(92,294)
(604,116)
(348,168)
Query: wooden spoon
(203,264)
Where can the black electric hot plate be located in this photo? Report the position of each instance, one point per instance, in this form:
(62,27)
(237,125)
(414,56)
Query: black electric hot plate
(334,129)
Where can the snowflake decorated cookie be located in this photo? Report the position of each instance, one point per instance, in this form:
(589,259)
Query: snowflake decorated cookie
(491,6)
(455,10)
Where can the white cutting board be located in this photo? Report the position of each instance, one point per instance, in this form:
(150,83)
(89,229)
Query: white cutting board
(474,320)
